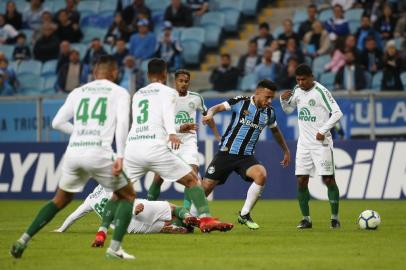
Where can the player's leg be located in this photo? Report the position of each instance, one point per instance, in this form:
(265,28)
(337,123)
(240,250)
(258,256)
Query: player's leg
(303,197)
(155,189)
(107,219)
(334,199)
(45,215)
(258,174)
(187,203)
(183,215)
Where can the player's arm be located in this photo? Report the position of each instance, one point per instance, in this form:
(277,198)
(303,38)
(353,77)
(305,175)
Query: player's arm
(63,116)
(212,111)
(280,139)
(288,101)
(80,212)
(122,125)
(335,115)
(169,104)
(211,123)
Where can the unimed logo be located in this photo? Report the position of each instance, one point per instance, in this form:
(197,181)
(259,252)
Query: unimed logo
(305,115)
(378,173)
(183,117)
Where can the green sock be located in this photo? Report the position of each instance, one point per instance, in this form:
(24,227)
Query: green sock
(181,212)
(108,213)
(187,203)
(303,197)
(45,215)
(178,222)
(196,194)
(154,191)
(333,197)
(122,219)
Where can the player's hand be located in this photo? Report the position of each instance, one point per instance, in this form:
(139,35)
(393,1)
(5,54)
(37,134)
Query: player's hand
(286,159)
(138,208)
(286,94)
(117,166)
(319,137)
(207,118)
(218,138)
(175,141)
(188,128)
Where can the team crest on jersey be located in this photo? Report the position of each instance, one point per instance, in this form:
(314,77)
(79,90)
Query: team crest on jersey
(211,170)
(192,105)
(312,102)
(246,112)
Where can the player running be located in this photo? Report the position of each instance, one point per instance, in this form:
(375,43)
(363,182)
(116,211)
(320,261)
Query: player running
(318,112)
(187,106)
(250,116)
(100,112)
(147,216)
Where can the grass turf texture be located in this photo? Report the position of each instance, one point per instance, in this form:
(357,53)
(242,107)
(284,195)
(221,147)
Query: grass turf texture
(276,245)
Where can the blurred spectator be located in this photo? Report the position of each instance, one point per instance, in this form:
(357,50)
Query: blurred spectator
(131,77)
(391,68)
(5,88)
(288,77)
(371,57)
(13,17)
(337,57)
(366,30)
(287,34)
(70,8)
(72,74)
(290,51)
(21,50)
(47,46)
(142,15)
(179,14)
(276,51)
(143,43)
(248,61)
(32,14)
(199,7)
(337,26)
(316,41)
(169,49)
(400,30)
(307,25)
(345,4)
(225,77)
(120,51)
(386,23)
(8,33)
(264,39)
(117,30)
(350,45)
(351,76)
(64,52)
(68,30)
(268,69)
(402,55)
(9,73)
(94,52)
(46,20)
(130,12)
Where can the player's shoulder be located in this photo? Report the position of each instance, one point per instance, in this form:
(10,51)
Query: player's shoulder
(319,87)
(196,96)
(238,99)
(117,89)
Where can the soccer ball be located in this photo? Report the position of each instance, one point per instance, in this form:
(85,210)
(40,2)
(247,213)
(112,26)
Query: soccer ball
(369,220)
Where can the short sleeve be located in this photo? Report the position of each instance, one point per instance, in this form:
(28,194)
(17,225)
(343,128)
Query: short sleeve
(271,118)
(233,103)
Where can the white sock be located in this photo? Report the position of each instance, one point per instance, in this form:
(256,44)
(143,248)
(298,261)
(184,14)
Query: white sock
(193,211)
(115,245)
(253,194)
(25,238)
(307,218)
(102,229)
(334,217)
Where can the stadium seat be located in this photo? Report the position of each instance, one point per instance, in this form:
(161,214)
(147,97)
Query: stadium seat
(193,33)
(248,82)
(250,7)
(110,5)
(157,4)
(20,5)
(230,4)
(49,68)
(277,31)
(58,5)
(191,53)
(213,4)
(319,63)
(213,23)
(213,18)
(327,79)
(7,50)
(300,16)
(93,32)
(354,25)
(403,78)
(90,5)
(100,20)
(157,17)
(48,85)
(354,14)
(29,66)
(28,33)
(29,84)
(232,18)
(398,43)
(377,81)
(325,15)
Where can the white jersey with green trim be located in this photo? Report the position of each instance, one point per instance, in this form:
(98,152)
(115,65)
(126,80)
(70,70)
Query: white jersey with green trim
(100,111)
(186,108)
(153,110)
(318,112)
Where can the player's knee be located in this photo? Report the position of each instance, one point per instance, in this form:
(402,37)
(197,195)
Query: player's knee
(328,180)
(258,175)
(191,181)
(302,181)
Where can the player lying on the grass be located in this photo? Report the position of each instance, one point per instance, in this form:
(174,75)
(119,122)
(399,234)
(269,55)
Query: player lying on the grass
(148,216)
(318,113)
(100,112)
(236,151)
(186,109)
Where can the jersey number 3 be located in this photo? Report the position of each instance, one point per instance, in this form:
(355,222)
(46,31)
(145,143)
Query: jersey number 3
(98,111)
(143,106)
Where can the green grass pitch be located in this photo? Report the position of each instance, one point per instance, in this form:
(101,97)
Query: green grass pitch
(276,245)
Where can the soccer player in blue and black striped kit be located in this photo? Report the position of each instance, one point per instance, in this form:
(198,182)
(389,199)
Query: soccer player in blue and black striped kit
(236,149)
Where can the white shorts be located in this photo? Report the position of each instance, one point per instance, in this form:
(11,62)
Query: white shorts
(188,152)
(76,171)
(152,219)
(97,199)
(320,159)
(156,158)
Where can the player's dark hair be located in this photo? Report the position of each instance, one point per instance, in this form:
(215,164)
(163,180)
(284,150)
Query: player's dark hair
(303,70)
(106,60)
(227,55)
(264,25)
(156,66)
(268,84)
(312,6)
(182,72)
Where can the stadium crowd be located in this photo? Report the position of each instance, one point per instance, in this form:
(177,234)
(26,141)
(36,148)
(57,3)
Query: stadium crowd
(351,45)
